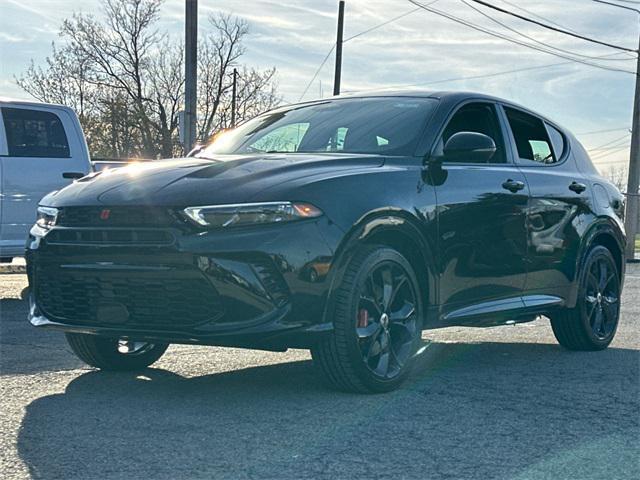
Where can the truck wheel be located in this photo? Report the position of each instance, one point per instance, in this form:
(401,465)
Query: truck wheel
(377,317)
(114,354)
(592,324)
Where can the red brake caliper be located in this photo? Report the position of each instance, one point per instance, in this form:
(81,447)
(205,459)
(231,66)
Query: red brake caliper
(363,318)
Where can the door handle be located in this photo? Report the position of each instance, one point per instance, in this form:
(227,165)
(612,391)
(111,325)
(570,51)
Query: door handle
(73,175)
(513,185)
(577,187)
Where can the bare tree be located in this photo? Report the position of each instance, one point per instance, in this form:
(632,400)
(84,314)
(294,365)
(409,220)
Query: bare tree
(63,81)
(618,176)
(218,54)
(117,52)
(167,81)
(126,79)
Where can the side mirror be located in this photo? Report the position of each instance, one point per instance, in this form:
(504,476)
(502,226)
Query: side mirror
(469,147)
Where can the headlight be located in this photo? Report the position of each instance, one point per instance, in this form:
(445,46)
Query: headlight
(218,216)
(47,217)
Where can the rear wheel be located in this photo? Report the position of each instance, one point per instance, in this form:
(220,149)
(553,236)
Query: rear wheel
(377,317)
(114,354)
(592,324)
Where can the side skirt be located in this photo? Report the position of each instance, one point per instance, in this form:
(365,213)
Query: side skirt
(497,312)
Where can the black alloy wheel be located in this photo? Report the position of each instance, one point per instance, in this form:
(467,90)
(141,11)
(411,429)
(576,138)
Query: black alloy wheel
(377,316)
(386,323)
(592,324)
(602,298)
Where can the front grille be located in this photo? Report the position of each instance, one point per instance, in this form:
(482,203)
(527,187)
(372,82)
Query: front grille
(154,299)
(113,237)
(115,217)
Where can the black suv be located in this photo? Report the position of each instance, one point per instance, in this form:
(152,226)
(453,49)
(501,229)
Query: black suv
(346,226)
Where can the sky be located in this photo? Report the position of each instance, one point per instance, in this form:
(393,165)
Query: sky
(421,49)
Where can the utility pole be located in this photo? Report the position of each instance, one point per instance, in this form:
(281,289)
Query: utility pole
(234,93)
(338,74)
(190,73)
(632,215)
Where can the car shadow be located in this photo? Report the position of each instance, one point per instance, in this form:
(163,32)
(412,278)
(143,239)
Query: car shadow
(468,411)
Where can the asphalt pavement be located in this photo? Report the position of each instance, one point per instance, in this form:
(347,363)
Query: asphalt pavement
(503,402)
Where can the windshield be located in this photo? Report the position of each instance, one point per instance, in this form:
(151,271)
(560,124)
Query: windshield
(381,125)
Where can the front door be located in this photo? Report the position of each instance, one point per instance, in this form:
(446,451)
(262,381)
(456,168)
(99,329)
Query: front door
(481,223)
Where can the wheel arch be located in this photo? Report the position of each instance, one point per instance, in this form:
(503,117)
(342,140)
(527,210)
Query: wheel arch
(604,233)
(397,229)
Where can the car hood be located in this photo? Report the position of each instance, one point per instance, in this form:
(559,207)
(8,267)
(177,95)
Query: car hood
(197,181)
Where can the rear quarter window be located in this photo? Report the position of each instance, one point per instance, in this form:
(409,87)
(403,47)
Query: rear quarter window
(34,133)
(532,137)
(557,141)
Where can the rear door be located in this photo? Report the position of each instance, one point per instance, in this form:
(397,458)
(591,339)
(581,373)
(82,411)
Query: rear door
(42,144)
(481,223)
(559,197)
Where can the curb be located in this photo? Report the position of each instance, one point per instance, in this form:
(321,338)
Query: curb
(4,269)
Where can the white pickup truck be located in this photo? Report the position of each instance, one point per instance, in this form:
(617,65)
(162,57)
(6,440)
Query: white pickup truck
(42,148)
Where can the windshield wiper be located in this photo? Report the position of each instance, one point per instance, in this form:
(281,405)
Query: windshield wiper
(197,149)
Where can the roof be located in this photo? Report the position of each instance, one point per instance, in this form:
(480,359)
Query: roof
(453,96)
(29,103)
(440,94)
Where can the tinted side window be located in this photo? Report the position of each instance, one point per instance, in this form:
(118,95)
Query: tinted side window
(479,118)
(530,134)
(557,141)
(33,133)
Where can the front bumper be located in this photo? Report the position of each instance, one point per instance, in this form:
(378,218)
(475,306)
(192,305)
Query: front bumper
(256,287)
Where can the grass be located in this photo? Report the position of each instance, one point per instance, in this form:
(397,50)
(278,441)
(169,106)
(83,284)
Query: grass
(637,243)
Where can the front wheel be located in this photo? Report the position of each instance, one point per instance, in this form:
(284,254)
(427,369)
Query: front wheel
(592,324)
(114,354)
(377,316)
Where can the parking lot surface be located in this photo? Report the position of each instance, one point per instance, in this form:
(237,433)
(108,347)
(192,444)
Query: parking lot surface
(503,402)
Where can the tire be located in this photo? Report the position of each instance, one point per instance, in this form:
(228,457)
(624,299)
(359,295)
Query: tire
(592,324)
(377,316)
(313,276)
(103,352)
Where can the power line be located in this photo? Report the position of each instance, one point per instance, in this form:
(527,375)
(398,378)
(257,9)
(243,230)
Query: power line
(619,6)
(517,32)
(420,6)
(613,152)
(483,75)
(364,32)
(551,27)
(604,131)
(624,137)
(513,40)
(604,152)
(317,72)
(533,14)
(394,19)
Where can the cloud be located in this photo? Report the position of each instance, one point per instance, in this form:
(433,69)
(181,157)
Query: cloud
(295,36)
(11,38)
